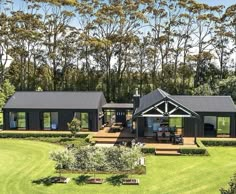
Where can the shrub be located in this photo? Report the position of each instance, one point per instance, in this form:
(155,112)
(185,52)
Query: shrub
(219,142)
(193,151)
(27,135)
(74,126)
(148,150)
(232,187)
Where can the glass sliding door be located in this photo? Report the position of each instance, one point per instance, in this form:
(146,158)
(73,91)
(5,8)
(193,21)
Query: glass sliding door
(50,120)
(84,119)
(46,120)
(13,120)
(223,126)
(54,120)
(21,120)
(17,120)
(176,122)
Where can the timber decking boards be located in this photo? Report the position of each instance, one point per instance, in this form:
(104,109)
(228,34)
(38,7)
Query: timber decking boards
(167,153)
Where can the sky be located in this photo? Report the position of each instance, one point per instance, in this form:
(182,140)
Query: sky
(226,3)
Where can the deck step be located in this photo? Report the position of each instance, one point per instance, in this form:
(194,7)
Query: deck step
(167,153)
(167,149)
(113,136)
(111,140)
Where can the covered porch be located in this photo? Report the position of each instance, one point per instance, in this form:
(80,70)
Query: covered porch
(164,122)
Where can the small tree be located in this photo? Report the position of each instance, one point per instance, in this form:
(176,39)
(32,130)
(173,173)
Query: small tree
(64,159)
(74,126)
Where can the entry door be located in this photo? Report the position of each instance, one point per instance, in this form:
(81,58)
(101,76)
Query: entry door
(120,117)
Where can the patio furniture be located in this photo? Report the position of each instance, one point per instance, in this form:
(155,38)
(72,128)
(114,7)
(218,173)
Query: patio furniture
(163,136)
(117,127)
(178,139)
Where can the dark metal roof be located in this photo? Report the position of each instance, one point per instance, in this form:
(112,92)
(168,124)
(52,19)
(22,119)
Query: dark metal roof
(118,105)
(56,100)
(150,99)
(193,103)
(207,103)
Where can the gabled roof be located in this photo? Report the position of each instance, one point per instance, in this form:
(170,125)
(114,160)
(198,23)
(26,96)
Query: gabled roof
(118,105)
(207,103)
(56,100)
(150,99)
(192,103)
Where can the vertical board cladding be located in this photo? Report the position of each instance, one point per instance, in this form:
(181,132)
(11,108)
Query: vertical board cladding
(233,125)
(190,124)
(64,117)
(140,126)
(6,121)
(33,120)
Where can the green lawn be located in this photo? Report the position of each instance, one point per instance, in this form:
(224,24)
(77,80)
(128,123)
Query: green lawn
(22,161)
(1,120)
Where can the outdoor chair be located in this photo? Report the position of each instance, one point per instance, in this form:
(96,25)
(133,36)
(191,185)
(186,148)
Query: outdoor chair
(178,139)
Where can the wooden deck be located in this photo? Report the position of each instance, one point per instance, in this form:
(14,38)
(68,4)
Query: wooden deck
(105,137)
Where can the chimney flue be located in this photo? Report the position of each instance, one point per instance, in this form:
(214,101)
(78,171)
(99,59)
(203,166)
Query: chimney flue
(136,99)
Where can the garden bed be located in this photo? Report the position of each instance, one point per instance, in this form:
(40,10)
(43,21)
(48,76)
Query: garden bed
(130,181)
(95,181)
(59,180)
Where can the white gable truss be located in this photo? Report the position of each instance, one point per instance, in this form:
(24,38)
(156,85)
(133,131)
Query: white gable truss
(166,108)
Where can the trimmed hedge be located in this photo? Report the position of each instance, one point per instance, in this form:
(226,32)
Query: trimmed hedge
(27,135)
(200,150)
(148,150)
(219,142)
(193,151)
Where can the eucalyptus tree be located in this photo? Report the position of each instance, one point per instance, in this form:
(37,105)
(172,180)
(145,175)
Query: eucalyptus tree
(25,37)
(230,22)
(204,21)
(56,19)
(114,25)
(5,42)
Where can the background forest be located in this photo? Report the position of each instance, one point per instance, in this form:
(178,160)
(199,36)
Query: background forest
(114,46)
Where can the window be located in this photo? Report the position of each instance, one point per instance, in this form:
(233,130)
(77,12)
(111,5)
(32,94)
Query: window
(50,120)
(176,122)
(21,121)
(210,120)
(46,120)
(84,119)
(17,120)
(223,125)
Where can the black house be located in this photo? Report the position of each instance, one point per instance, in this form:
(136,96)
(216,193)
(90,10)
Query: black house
(202,116)
(53,110)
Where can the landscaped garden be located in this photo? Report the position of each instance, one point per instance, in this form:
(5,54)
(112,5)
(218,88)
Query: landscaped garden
(25,168)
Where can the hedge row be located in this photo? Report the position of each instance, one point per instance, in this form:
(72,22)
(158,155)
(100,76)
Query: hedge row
(219,142)
(148,150)
(200,150)
(193,151)
(27,135)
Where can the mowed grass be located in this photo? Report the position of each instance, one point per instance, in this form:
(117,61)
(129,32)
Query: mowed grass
(1,120)
(23,161)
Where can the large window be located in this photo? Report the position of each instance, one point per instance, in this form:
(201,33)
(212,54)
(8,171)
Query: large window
(84,119)
(17,120)
(176,122)
(223,126)
(50,120)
